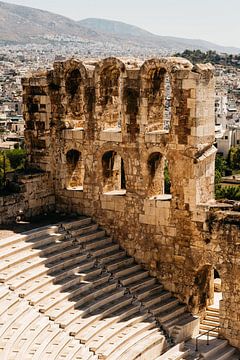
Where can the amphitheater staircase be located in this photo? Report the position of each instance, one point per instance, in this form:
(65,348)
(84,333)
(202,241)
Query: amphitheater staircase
(210,322)
(68,291)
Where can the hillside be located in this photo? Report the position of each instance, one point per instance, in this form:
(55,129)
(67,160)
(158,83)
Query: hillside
(22,24)
(135,34)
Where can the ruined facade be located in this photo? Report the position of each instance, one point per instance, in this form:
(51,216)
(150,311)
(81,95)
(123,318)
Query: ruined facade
(109,134)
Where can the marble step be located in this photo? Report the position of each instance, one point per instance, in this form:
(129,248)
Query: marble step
(141,287)
(59,255)
(102,337)
(116,264)
(52,294)
(31,235)
(38,237)
(126,270)
(146,348)
(45,269)
(147,288)
(126,339)
(41,301)
(67,317)
(82,300)
(49,253)
(133,277)
(226,353)
(105,328)
(91,227)
(20,246)
(104,249)
(211,333)
(117,254)
(77,322)
(170,313)
(211,318)
(163,305)
(207,327)
(209,323)
(68,225)
(63,280)
(156,298)
(177,352)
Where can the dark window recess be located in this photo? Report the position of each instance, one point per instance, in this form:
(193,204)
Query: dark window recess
(123,178)
(158,78)
(153,163)
(38,144)
(30,125)
(73,157)
(73,82)
(36,90)
(42,106)
(107,163)
(32,108)
(132,96)
(40,125)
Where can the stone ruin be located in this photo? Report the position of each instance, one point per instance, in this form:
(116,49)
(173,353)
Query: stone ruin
(108,134)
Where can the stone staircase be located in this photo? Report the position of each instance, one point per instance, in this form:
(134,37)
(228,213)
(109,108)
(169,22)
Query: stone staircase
(210,322)
(211,348)
(70,292)
(217,349)
(72,287)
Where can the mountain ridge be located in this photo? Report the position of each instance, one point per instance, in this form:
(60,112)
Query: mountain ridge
(101,24)
(23,24)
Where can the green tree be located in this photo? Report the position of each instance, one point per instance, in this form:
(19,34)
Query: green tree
(233,158)
(17,158)
(4,168)
(167,181)
(228,192)
(220,168)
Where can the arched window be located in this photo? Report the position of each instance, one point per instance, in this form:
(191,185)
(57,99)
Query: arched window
(109,93)
(158,175)
(74,86)
(73,81)
(209,286)
(75,170)
(159,100)
(113,173)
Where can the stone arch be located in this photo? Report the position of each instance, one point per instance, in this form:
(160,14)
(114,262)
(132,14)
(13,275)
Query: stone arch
(74,170)
(202,282)
(75,77)
(157,95)
(109,77)
(154,171)
(113,172)
(155,165)
(206,286)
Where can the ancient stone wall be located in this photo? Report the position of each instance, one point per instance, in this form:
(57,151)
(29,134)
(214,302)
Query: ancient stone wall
(102,132)
(35,197)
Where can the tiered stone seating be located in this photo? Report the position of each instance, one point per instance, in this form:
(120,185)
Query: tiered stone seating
(80,284)
(26,334)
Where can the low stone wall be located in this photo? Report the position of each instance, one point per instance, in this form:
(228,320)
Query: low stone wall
(36,197)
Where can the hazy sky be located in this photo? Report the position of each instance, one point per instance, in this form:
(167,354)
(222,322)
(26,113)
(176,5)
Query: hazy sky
(213,20)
